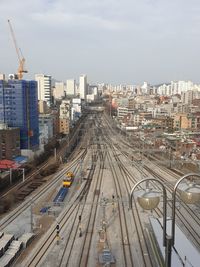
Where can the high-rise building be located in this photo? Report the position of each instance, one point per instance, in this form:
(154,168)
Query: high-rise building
(83,86)
(65,116)
(44,87)
(55,117)
(59,90)
(76,109)
(45,128)
(70,88)
(2,76)
(65,109)
(177,87)
(19,108)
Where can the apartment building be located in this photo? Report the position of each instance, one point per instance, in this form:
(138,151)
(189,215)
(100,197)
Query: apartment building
(45,128)
(59,90)
(19,108)
(44,87)
(83,86)
(65,116)
(9,142)
(71,87)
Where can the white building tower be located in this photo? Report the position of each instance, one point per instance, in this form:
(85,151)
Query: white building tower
(59,90)
(44,87)
(70,88)
(83,86)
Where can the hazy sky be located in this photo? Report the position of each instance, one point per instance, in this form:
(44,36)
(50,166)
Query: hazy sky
(117,41)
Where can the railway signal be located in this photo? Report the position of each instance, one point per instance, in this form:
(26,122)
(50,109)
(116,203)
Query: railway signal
(80,230)
(113,203)
(58,233)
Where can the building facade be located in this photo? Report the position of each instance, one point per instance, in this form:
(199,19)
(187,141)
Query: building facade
(65,109)
(64,126)
(42,106)
(65,116)
(70,87)
(83,86)
(44,87)
(59,90)
(76,109)
(55,118)
(19,108)
(45,128)
(9,142)
(181,121)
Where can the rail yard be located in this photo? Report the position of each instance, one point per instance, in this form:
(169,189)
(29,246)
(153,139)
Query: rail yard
(82,215)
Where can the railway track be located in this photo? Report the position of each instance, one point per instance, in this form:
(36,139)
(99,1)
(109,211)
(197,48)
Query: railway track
(75,209)
(125,240)
(84,257)
(144,253)
(90,229)
(122,189)
(40,193)
(49,161)
(49,240)
(192,223)
(76,156)
(185,212)
(143,259)
(192,217)
(75,230)
(108,158)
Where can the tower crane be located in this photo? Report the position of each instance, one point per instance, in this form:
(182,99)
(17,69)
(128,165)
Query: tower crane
(21,59)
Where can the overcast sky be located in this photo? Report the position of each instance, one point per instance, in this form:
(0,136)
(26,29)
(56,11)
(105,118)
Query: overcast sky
(115,41)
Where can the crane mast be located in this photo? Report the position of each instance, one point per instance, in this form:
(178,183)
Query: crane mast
(21,59)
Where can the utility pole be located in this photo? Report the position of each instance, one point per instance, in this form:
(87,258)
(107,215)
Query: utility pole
(142,155)
(170,158)
(10,175)
(55,154)
(81,170)
(103,203)
(113,203)
(23,173)
(31,213)
(80,226)
(68,143)
(141,168)
(110,102)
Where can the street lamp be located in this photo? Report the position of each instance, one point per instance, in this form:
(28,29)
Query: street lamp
(149,199)
(189,194)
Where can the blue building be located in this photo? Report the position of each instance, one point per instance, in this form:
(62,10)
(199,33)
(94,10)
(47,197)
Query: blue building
(19,108)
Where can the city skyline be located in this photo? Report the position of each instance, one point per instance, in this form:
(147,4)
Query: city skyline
(111,42)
